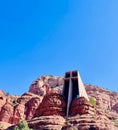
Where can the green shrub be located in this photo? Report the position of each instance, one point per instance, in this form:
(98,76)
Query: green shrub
(93,101)
(22,126)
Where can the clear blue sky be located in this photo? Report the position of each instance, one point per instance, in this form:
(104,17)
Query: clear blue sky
(39,37)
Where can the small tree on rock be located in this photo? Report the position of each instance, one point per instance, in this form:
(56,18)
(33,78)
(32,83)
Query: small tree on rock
(93,101)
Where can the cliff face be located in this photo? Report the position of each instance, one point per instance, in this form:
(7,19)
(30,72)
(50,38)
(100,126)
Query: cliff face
(105,99)
(48,111)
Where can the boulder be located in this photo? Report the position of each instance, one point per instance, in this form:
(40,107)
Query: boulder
(52,104)
(81,106)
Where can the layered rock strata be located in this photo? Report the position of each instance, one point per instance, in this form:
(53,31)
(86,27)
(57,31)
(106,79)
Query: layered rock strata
(88,122)
(52,104)
(81,106)
(6,113)
(54,122)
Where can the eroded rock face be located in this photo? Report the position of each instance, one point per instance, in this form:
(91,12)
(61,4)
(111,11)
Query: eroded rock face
(2,99)
(52,104)
(25,98)
(6,113)
(54,122)
(13,109)
(104,99)
(42,84)
(115,107)
(26,107)
(83,115)
(18,113)
(81,106)
(31,107)
(88,122)
(98,121)
(36,87)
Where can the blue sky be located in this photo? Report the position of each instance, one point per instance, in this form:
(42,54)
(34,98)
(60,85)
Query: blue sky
(51,37)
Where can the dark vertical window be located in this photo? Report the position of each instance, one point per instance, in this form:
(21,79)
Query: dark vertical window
(67,75)
(75,91)
(66,89)
(74,74)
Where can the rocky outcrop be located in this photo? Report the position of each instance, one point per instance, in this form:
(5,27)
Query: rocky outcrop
(2,99)
(81,106)
(42,84)
(13,109)
(31,107)
(77,122)
(115,107)
(104,99)
(82,115)
(52,104)
(26,107)
(26,97)
(54,122)
(88,122)
(18,115)
(6,113)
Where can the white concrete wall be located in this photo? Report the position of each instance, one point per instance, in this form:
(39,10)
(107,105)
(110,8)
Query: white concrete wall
(82,91)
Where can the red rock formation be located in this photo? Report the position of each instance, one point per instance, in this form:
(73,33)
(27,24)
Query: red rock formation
(81,106)
(52,104)
(31,107)
(115,107)
(28,105)
(2,99)
(24,109)
(26,97)
(6,113)
(42,84)
(88,122)
(47,123)
(104,99)
(18,113)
